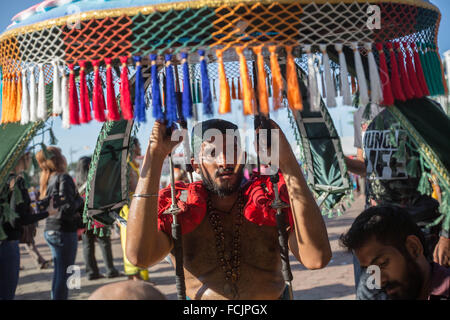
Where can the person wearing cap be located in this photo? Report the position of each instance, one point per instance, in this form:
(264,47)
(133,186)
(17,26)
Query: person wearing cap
(229,230)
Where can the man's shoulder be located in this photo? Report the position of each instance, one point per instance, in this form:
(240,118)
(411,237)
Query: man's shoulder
(440,281)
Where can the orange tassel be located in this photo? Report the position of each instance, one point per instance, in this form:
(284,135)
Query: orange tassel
(277,81)
(225,99)
(5,98)
(233,90)
(18,114)
(262,85)
(13,100)
(353,85)
(293,89)
(247,90)
(239,89)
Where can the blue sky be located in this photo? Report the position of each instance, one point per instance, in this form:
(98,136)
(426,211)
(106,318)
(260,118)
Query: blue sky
(80,140)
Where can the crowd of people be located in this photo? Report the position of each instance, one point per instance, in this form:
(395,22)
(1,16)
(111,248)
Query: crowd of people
(230,232)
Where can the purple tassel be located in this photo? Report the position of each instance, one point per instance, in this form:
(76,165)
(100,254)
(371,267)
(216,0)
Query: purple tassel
(206,89)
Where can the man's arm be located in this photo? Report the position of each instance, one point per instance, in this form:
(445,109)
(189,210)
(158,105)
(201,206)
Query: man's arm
(146,244)
(357,166)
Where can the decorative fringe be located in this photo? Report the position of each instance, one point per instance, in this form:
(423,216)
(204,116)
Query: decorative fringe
(225,99)
(363,91)
(5,98)
(139,96)
(186,102)
(85,108)
(156,92)
(98,98)
(125,98)
(397,89)
(314,96)
(1,90)
(206,89)
(111,102)
(33,96)
(18,113)
(293,88)
(419,70)
(233,90)
(376,93)
(171,104)
(437,67)
(42,101)
(388,97)
(64,99)
(441,71)
(13,100)
(247,89)
(73,98)
(417,91)
(353,82)
(329,83)
(25,116)
(345,87)
(262,85)
(407,89)
(277,81)
(57,108)
(239,89)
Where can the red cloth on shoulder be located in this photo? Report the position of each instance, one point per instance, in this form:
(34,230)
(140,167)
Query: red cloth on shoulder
(258,197)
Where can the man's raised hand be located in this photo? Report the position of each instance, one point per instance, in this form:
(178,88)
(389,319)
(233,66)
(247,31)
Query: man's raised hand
(160,143)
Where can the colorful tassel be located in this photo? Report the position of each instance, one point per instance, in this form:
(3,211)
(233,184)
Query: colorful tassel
(277,81)
(329,83)
(42,101)
(171,103)
(314,96)
(186,101)
(224,99)
(98,98)
(111,102)
(156,91)
(206,90)
(25,116)
(407,89)
(362,82)
(293,88)
(388,98)
(345,87)
(376,93)
(437,66)
(125,98)
(85,108)
(262,85)
(246,83)
(397,89)
(214,90)
(419,71)
(417,90)
(139,96)
(441,71)
(57,108)
(33,95)
(18,113)
(1,89)
(65,100)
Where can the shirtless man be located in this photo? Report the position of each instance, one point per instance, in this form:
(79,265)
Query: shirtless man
(238,258)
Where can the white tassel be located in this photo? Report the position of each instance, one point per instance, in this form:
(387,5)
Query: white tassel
(64,100)
(329,83)
(57,109)
(25,112)
(314,96)
(363,91)
(33,96)
(42,103)
(376,92)
(345,86)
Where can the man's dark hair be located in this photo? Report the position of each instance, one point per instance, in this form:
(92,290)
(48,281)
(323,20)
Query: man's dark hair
(82,170)
(389,225)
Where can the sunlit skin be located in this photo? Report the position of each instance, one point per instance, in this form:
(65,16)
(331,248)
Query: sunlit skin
(398,276)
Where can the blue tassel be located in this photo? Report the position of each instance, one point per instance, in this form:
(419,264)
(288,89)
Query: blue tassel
(187,97)
(171,99)
(139,100)
(206,89)
(156,91)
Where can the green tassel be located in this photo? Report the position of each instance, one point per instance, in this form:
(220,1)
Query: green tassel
(412,167)
(339,212)
(433,74)
(95,230)
(199,92)
(194,93)
(101,234)
(9,215)
(269,87)
(3,235)
(424,185)
(330,214)
(426,68)
(89,226)
(445,210)
(400,154)
(438,70)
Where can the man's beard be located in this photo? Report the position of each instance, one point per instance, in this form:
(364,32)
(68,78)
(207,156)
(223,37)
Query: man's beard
(411,289)
(222,191)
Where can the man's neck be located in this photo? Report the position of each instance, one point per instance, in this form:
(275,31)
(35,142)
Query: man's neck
(225,203)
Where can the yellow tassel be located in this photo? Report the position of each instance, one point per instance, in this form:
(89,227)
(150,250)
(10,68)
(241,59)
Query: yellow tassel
(225,99)
(247,90)
(18,114)
(277,81)
(293,89)
(262,85)
(13,100)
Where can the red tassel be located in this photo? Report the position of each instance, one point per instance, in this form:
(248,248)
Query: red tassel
(98,100)
(412,74)
(419,71)
(111,103)
(397,89)
(407,89)
(125,99)
(384,77)
(85,108)
(74,107)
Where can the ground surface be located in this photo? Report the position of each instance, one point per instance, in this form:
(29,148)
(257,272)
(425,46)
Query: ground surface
(335,282)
